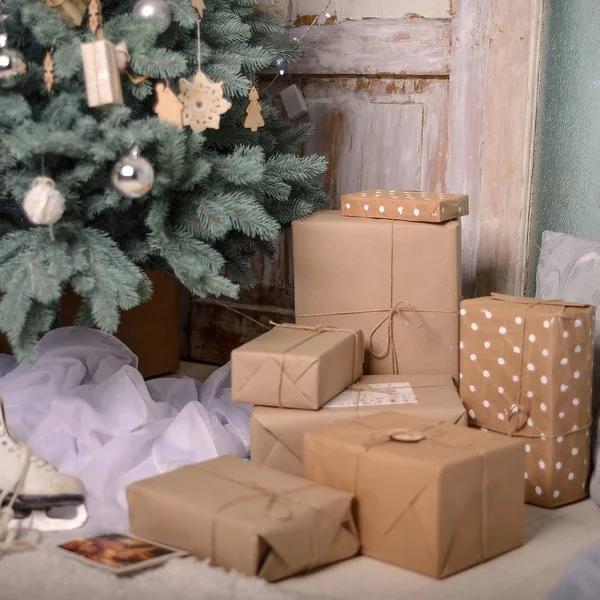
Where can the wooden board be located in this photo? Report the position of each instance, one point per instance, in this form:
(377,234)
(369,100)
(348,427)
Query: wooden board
(507,148)
(378,133)
(376,47)
(383,9)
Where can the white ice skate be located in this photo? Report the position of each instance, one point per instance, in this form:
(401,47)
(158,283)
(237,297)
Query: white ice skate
(33,494)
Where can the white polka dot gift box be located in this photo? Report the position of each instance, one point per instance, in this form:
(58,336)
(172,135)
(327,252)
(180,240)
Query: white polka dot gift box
(526,371)
(397,281)
(403,205)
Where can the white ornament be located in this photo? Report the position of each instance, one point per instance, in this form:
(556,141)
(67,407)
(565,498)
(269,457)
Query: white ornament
(43,203)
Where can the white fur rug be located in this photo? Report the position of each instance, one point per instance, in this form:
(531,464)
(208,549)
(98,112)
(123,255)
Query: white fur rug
(47,574)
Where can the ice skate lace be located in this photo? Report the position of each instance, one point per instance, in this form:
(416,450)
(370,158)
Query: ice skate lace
(8,538)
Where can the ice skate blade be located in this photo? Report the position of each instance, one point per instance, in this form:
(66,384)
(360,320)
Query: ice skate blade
(40,521)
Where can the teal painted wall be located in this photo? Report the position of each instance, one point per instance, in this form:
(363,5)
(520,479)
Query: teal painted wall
(567,149)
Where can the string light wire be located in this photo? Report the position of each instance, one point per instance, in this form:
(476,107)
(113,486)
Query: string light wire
(280,62)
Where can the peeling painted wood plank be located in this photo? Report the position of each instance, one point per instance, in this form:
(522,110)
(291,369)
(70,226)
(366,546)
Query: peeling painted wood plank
(471,28)
(507,150)
(384,9)
(376,47)
(379,133)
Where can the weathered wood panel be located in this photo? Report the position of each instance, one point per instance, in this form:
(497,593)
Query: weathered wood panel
(376,47)
(382,9)
(507,151)
(471,29)
(379,133)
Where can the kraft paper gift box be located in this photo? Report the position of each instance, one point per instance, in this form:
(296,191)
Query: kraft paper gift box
(295,366)
(241,516)
(526,371)
(403,205)
(276,436)
(398,282)
(431,497)
(101,73)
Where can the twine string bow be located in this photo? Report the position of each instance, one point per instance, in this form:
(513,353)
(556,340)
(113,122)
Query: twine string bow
(280,506)
(402,309)
(316,330)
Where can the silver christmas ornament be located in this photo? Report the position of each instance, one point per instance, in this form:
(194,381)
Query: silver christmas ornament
(133,175)
(158,10)
(11,61)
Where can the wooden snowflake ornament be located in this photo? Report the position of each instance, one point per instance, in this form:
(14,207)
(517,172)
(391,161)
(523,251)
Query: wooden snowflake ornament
(203,102)
(168,107)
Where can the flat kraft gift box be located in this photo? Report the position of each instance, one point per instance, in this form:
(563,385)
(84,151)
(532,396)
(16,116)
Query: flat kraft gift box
(276,436)
(526,371)
(296,366)
(241,516)
(404,205)
(398,282)
(432,497)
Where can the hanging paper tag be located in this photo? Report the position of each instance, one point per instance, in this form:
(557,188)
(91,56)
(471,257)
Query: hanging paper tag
(378,394)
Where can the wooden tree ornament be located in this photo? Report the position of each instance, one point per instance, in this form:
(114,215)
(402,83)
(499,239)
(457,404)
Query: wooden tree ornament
(95,17)
(199,6)
(49,79)
(168,107)
(71,10)
(253,118)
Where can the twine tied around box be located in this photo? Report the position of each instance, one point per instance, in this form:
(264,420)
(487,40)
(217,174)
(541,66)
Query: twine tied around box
(402,309)
(317,330)
(275,499)
(410,436)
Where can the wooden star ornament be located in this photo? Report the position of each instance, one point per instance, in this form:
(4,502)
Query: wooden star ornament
(168,107)
(203,102)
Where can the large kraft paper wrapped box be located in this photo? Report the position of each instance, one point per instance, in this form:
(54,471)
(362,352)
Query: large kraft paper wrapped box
(397,281)
(296,367)
(526,371)
(241,516)
(276,436)
(432,497)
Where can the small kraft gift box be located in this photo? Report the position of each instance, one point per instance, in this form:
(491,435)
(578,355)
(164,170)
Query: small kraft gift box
(431,497)
(526,372)
(425,207)
(276,436)
(396,281)
(102,77)
(246,517)
(296,366)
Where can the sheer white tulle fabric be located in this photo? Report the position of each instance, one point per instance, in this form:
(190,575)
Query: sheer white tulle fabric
(84,407)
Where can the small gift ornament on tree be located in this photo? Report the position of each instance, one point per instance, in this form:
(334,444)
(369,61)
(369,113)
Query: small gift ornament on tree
(100,66)
(72,10)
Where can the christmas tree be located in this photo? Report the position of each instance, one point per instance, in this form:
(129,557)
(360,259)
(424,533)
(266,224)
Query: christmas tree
(218,196)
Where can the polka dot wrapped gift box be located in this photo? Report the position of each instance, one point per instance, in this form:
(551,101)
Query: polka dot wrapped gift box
(403,205)
(526,371)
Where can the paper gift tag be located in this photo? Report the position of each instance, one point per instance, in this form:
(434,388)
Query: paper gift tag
(378,394)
